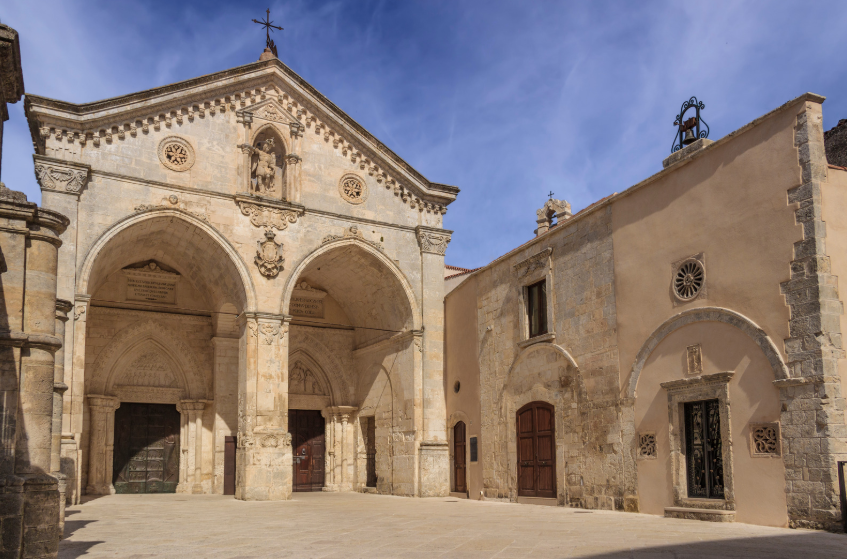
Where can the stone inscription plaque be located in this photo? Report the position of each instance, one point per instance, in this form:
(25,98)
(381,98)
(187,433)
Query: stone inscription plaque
(151,284)
(307,306)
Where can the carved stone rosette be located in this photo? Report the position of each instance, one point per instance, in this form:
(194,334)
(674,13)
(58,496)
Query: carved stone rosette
(269,257)
(59,175)
(433,241)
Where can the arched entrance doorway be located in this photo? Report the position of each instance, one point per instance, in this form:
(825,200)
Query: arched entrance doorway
(355,313)
(156,339)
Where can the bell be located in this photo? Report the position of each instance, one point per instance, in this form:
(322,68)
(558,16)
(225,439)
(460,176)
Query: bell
(689,138)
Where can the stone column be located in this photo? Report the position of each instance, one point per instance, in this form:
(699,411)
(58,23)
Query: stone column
(264,464)
(293,177)
(59,387)
(329,442)
(433,460)
(101,444)
(193,414)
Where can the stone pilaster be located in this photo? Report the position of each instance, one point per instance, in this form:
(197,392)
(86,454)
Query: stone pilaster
(812,420)
(59,387)
(264,460)
(101,444)
(192,445)
(433,459)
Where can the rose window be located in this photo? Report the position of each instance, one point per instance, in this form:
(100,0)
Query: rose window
(176,153)
(352,189)
(688,280)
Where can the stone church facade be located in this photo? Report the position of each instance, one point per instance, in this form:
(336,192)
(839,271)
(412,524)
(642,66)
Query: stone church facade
(674,349)
(245,265)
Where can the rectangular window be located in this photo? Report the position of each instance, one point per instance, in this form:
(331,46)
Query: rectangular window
(536,308)
(473,449)
(703,455)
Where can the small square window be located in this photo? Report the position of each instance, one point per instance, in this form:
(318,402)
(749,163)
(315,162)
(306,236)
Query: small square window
(536,308)
(473,449)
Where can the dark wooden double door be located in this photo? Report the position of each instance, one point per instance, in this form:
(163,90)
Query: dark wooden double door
(308,443)
(146,451)
(536,450)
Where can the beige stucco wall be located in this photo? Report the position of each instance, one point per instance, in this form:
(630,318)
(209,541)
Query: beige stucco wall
(731,205)
(759,481)
(461,364)
(833,210)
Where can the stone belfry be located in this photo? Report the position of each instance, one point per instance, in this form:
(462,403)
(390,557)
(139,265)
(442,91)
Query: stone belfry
(31,335)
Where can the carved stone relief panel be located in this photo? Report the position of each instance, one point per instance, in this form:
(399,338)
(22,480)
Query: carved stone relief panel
(303,381)
(647,446)
(694,360)
(765,440)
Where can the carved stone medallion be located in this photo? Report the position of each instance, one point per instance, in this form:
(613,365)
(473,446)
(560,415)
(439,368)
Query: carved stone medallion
(176,153)
(269,257)
(353,189)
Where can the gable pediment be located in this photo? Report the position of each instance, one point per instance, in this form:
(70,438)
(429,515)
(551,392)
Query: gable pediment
(268,90)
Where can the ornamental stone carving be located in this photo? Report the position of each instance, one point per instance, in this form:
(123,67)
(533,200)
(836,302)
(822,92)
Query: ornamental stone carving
(303,381)
(433,241)
(353,188)
(269,257)
(534,262)
(171,203)
(351,232)
(176,153)
(268,216)
(269,333)
(59,175)
(647,446)
(765,439)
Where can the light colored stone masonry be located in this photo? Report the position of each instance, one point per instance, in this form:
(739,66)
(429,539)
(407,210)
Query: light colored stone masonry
(593,435)
(812,421)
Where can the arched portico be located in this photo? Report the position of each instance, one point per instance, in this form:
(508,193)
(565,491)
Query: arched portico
(356,311)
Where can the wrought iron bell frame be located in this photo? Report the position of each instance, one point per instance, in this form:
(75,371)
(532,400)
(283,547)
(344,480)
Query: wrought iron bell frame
(698,106)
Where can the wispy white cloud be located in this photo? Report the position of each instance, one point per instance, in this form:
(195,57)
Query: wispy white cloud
(505,99)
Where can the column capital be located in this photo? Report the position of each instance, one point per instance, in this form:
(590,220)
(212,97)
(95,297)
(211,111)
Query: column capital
(432,239)
(104,402)
(58,175)
(191,405)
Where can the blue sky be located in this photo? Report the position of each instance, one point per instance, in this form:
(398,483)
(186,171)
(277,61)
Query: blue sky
(505,99)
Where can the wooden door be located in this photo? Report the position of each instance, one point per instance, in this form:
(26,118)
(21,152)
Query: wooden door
(370,456)
(308,444)
(146,451)
(460,469)
(536,450)
(230,444)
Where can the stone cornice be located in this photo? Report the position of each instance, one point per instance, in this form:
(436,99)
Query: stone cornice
(716,378)
(59,175)
(234,90)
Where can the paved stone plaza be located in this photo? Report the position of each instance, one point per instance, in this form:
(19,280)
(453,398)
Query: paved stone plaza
(356,525)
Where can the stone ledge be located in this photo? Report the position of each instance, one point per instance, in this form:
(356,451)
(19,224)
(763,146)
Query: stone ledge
(686,152)
(708,515)
(699,380)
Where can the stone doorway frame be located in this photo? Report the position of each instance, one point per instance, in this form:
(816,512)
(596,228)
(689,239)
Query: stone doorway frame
(704,387)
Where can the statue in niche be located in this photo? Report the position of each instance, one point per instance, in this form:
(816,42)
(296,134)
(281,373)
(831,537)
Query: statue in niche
(263,168)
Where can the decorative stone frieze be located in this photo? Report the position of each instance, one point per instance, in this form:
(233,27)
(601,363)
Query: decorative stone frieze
(351,232)
(269,257)
(61,176)
(171,203)
(176,153)
(266,214)
(433,241)
(535,262)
